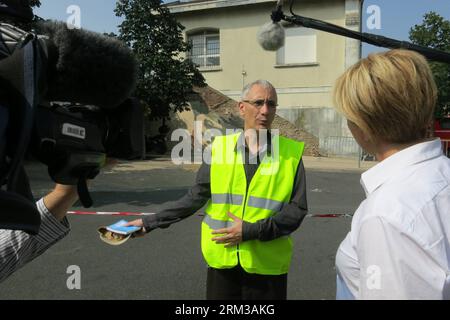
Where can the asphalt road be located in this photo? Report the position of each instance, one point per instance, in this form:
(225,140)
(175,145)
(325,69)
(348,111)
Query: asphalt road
(167,264)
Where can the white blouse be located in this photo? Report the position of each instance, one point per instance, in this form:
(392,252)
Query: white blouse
(399,243)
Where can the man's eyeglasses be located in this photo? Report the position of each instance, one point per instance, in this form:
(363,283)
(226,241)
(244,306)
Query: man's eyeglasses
(260,103)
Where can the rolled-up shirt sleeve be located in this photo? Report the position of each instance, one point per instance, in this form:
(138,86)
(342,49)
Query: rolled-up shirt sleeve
(287,220)
(18,247)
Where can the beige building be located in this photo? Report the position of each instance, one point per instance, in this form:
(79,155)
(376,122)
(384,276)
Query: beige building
(223,34)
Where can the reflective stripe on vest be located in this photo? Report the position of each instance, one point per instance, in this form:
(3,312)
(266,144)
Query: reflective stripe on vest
(263,203)
(216,224)
(227,198)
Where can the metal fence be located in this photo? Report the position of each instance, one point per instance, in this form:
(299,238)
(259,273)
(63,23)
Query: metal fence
(340,146)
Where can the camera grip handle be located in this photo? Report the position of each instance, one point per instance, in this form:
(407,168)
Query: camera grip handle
(83,192)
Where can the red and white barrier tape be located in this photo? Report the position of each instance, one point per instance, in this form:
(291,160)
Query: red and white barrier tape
(331,215)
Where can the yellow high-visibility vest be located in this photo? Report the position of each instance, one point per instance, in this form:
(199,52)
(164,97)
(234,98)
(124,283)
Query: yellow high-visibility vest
(268,191)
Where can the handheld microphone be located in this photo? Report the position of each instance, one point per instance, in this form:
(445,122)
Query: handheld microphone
(86,67)
(271,35)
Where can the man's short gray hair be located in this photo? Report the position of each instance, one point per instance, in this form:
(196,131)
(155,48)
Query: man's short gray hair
(263,83)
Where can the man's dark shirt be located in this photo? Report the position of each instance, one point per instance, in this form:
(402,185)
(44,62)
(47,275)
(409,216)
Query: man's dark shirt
(281,224)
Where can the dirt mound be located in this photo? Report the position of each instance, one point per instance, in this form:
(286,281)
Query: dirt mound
(218,111)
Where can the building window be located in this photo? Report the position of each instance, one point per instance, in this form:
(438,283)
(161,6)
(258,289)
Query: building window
(205,48)
(299,47)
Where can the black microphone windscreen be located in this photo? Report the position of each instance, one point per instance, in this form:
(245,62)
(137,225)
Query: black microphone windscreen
(90,68)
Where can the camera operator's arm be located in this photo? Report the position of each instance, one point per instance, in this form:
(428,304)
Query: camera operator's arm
(17,247)
(60,200)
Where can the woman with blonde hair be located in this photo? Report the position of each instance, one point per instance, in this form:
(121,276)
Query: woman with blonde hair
(399,243)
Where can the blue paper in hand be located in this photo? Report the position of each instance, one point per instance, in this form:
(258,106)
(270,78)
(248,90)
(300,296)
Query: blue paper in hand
(118,227)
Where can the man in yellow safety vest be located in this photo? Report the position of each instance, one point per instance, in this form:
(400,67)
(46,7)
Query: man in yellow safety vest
(255,191)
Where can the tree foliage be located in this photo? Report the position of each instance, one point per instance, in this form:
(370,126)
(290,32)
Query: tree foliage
(165,78)
(434,32)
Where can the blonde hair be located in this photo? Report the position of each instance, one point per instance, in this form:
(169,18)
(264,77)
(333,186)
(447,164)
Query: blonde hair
(390,96)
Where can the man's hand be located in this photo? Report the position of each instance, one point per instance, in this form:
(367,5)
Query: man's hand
(233,235)
(137,223)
